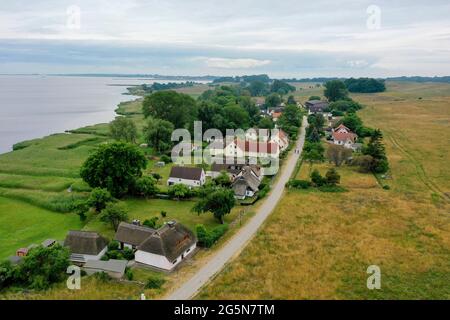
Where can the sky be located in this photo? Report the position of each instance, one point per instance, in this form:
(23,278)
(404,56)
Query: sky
(286,38)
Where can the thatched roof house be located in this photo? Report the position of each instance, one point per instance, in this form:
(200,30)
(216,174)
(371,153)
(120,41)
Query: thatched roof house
(167,247)
(131,235)
(85,245)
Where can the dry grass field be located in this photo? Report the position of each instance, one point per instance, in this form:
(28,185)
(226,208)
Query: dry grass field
(318,245)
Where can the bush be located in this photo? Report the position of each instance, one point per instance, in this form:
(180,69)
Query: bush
(99,198)
(145,187)
(154,282)
(129,274)
(299,184)
(207,238)
(165,158)
(151,223)
(317,179)
(113,245)
(332,177)
(386,187)
(102,276)
(163,214)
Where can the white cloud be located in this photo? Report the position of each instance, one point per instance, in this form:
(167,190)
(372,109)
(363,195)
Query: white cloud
(224,63)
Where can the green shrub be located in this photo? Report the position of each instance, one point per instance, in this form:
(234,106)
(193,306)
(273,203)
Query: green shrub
(114,245)
(163,214)
(299,184)
(102,276)
(386,187)
(206,238)
(154,282)
(151,223)
(129,274)
(165,158)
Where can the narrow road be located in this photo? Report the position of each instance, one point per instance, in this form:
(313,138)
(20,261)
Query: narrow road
(235,245)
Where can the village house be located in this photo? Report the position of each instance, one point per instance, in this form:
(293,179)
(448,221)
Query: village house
(255,149)
(85,245)
(189,176)
(132,235)
(246,184)
(276,116)
(343,136)
(233,169)
(166,247)
(281,139)
(316,106)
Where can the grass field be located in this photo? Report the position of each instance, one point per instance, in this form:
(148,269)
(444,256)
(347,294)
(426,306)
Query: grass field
(318,245)
(22,224)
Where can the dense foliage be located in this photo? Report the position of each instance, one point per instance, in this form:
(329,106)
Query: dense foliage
(115,167)
(365,85)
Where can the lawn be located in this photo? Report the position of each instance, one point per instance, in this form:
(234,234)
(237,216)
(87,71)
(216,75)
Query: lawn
(318,245)
(22,224)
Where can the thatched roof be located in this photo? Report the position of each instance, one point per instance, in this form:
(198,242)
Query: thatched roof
(132,234)
(85,242)
(171,240)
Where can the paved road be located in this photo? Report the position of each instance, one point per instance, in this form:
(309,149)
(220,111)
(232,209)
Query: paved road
(235,245)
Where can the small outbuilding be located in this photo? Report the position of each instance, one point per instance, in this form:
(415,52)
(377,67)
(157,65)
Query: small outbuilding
(114,268)
(85,245)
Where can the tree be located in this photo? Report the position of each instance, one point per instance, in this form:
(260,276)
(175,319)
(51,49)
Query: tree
(266,123)
(332,177)
(178,108)
(345,106)
(291,116)
(335,90)
(364,162)
(314,98)
(223,180)
(338,154)
(219,202)
(353,122)
(179,191)
(158,134)
(375,149)
(145,186)
(42,267)
(291,100)
(257,88)
(317,179)
(281,87)
(314,136)
(273,100)
(98,198)
(123,129)
(236,117)
(313,151)
(114,166)
(253,111)
(365,85)
(114,214)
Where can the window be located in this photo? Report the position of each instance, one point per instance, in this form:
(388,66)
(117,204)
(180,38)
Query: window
(188,250)
(174,261)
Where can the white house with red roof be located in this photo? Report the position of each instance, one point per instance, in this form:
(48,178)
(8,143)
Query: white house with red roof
(281,138)
(343,136)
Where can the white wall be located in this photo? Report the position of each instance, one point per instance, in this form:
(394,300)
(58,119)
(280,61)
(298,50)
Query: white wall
(159,261)
(187,182)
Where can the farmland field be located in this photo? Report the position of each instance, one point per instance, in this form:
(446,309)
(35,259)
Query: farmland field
(318,245)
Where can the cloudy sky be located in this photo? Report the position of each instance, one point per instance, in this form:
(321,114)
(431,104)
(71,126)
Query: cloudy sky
(197,37)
